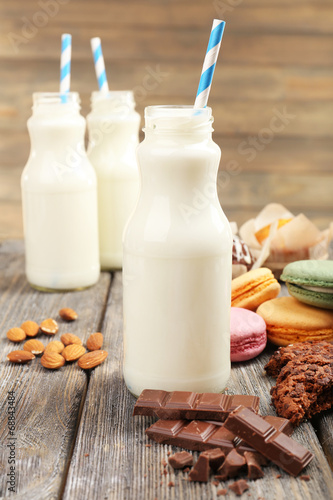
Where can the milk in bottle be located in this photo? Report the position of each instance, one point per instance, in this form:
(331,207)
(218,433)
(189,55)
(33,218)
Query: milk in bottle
(177,260)
(59,198)
(113,137)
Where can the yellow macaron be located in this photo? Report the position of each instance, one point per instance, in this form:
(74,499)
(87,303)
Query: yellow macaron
(289,321)
(253,288)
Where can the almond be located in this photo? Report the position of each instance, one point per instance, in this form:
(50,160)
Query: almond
(34,346)
(92,359)
(31,328)
(72,352)
(20,356)
(16,334)
(70,338)
(95,341)
(52,360)
(49,326)
(68,314)
(55,346)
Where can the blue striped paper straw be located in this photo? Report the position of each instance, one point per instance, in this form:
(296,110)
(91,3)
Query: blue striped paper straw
(65,65)
(209,64)
(96,47)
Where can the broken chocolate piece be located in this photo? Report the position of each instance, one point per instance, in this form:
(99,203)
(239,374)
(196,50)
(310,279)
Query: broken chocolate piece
(203,435)
(200,471)
(191,405)
(181,459)
(222,492)
(234,463)
(254,471)
(239,487)
(215,456)
(274,445)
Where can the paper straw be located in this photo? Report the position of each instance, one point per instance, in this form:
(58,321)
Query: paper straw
(209,64)
(96,48)
(65,65)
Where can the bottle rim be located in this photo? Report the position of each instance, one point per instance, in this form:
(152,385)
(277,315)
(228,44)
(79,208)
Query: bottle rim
(52,98)
(178,119)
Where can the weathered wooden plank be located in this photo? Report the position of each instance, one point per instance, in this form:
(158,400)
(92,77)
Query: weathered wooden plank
(111,460)
(10,220)
(168,44)
(174,79)
(47,402)
(282,155)
(257,189)
(243,191)
(323,425)
(287,118)
(306,17)
(239,186)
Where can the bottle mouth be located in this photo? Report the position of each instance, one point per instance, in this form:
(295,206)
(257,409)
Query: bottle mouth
(114,101)
(177,118)
(53,98)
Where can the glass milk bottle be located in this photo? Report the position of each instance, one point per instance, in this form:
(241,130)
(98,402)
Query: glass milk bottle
(177,260)
(59,198)
(113,126)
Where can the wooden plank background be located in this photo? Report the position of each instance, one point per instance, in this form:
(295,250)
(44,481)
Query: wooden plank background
(276,55)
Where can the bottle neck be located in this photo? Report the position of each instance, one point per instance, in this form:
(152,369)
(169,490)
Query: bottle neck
(113,124)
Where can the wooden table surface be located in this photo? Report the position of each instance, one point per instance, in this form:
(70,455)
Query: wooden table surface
(75,437)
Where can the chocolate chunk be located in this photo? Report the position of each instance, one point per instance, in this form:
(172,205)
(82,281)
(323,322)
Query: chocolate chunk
(222,492)
(254,471)
(215,456)
(241,254)
(190,405)
(200,471)
(181,459)
(239,487)
(305,477)
(234,463)
(274,445)
(202,435)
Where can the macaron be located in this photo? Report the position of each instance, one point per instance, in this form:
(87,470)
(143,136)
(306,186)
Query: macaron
(311,282)
(288,321)
(247,334)
(253,288)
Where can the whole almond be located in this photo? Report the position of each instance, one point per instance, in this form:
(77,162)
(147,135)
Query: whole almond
(72,352)
(20,356)
(52,360)
(55,346)
(92,359)
(34,346)
(68,314)
(31,328)
(95,341)
(70,338)
(49,326)
(16,334)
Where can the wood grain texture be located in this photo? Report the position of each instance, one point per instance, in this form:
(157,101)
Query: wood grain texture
(299,17)
(47,402)
(276,55)
(111,460)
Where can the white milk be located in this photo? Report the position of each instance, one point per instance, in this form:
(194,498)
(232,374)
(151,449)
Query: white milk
(113,126)
(59,198)
(177,260)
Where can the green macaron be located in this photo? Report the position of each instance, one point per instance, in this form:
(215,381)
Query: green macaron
(311,282)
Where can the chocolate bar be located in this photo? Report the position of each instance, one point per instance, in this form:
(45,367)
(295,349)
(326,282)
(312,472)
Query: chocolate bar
(267,440)
(191,405)
(200,435)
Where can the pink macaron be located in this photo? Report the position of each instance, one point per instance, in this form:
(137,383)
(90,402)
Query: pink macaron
(248,335)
